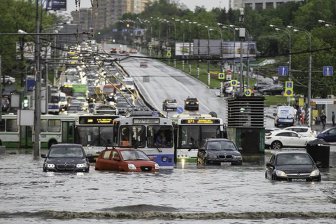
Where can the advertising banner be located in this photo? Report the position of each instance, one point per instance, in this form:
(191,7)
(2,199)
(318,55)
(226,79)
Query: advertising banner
(183,49)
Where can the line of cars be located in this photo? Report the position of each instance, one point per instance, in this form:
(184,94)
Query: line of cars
(190,103)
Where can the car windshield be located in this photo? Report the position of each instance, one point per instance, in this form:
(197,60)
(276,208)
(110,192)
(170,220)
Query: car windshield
(294,159)
(134,155)
(221,146)
(66,152)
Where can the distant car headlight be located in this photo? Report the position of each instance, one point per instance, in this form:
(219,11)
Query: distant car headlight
(157,167)
(81,165)
(131,166)
(280,173)
(50,166)
(314,173)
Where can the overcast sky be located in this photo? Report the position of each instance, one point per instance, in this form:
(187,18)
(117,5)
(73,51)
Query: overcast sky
(191,4)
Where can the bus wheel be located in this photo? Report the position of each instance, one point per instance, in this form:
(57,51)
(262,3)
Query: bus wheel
(51,142)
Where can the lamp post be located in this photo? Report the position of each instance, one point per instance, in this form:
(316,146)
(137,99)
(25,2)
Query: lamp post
(309,35)
(208,62)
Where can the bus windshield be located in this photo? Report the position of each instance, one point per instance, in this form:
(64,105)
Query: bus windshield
(95,136)
(193,136)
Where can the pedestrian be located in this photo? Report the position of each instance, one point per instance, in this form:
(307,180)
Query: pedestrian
(323,119)
(333,118)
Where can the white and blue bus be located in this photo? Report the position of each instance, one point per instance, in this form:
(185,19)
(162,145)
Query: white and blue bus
(154,135)
(190,132)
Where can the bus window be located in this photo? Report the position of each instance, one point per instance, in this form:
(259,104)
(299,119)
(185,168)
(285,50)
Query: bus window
(189,136)
(2,125)
(106,136)
(160,136)
(44,125)
(11,125)
(54,125)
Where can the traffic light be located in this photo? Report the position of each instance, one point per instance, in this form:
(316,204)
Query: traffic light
(25,103)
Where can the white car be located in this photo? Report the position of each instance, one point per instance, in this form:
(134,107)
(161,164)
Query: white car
(286,138)
(302,130)
(9,79)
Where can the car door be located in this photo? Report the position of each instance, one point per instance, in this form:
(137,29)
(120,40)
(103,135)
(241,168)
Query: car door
(115,160)
(270,167)
(298,140)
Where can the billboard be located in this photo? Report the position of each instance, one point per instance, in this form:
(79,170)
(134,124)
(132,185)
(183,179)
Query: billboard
(224,49)
(183,49)
(56,5)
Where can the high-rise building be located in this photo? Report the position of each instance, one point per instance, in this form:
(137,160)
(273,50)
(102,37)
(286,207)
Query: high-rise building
(258,4)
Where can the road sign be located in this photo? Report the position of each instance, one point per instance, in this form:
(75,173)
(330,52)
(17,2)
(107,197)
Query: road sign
(289,84)
(283,70)
(328,71)
(221,76)
(288,92)
(234,82)
(168,54)
(179,110)
(248,92)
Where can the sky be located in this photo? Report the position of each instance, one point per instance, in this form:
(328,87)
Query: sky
(191,4)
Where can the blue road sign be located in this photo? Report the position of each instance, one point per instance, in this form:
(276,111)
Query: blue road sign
(179,110)
(155,114)
(283,70)
(328,71)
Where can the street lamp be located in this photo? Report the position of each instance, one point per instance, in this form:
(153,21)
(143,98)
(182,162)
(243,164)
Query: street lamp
(309,35)
(208,62)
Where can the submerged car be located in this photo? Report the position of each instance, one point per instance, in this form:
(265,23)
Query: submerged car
(217,151)
(191,103)
(292,165)
(125,159)
(66,158)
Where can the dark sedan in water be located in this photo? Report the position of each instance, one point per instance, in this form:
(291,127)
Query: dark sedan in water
(217,151)
(66,158)
(294,165)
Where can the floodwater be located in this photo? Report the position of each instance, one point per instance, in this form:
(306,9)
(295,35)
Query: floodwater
(187,194)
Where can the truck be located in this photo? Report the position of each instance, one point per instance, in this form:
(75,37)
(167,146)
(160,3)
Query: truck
(285,116)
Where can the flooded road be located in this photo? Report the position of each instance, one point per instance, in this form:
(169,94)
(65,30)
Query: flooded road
(187,194)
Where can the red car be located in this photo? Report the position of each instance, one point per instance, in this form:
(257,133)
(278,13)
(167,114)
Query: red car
(125,159)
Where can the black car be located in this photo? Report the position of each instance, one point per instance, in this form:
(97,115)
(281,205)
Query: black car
(292,165)
(217,151)
(191,103)
(66,158)
(328,135)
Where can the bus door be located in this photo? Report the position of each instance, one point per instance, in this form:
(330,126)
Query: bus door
(68,131)
(26,136)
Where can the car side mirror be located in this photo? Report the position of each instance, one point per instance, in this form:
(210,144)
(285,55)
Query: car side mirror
(43,156)
(269,165)
(116,158)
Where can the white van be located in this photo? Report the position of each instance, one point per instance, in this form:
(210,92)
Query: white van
(285,116)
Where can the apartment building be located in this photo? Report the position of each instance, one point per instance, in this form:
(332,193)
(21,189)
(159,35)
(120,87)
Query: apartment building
(258,4)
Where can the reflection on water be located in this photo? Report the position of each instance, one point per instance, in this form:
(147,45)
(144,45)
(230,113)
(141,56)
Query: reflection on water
(218,194)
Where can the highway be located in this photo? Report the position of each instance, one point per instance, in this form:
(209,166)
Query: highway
(159,81)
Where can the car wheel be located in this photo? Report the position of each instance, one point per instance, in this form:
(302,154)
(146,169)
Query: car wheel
(276,145)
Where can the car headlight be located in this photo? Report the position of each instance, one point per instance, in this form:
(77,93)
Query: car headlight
(157,167)
(237,157)
(81,165)
(50,166)
(314,173)
(131,166)
(211,156)
(280,173)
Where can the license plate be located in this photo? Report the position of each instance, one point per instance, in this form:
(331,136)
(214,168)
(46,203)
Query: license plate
(225,163)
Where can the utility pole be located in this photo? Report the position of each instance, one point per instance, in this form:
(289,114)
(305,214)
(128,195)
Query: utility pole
(37,114)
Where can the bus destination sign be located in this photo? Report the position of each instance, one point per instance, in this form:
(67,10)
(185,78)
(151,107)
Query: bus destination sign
(200,121)
(146,120)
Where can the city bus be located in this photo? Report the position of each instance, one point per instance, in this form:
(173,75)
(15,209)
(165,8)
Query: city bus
(54,129)
(94,133)
(147,131)
(190,132)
